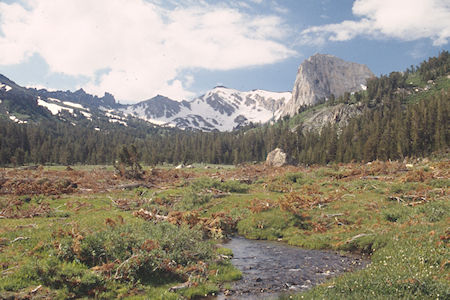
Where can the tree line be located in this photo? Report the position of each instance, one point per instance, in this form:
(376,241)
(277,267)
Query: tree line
(390,128)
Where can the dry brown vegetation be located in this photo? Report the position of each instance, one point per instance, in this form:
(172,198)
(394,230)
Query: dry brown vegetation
(344,206)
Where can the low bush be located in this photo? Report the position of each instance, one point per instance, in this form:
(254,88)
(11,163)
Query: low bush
(146,252)
(192,200)
(229,186)
(268,225)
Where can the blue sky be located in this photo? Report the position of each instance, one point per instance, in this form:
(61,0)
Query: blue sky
(136,49)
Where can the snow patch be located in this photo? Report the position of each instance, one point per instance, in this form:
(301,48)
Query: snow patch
(18,121)
(6,87)
(86,115)
(363,87)
(112,116)
(52,107)
(75,105)
(118,121)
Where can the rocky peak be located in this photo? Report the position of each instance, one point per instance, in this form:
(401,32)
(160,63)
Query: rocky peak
(322,75)
(108,99)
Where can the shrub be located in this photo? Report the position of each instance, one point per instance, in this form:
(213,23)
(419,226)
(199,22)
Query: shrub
(295,177)
(73,276)
(192,200)
(138,253)
(268,225)
(230,186)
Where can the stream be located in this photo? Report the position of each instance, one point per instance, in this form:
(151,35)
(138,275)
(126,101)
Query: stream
(273,268)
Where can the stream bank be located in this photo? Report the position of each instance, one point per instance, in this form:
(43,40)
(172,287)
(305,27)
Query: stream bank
(270,269)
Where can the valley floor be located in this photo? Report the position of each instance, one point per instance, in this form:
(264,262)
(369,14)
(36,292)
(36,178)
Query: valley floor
(85,232)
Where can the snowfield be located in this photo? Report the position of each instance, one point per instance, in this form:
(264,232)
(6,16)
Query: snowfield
(220,109)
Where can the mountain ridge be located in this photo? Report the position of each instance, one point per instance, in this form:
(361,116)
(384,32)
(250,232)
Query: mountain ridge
(221,108)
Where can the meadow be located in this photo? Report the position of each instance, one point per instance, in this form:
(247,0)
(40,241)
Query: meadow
(85,231)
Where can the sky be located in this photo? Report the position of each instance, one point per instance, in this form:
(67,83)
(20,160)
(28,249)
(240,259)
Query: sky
(137,49)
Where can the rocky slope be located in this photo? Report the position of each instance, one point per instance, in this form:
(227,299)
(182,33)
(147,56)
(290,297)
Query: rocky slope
(320,76)
(340,114)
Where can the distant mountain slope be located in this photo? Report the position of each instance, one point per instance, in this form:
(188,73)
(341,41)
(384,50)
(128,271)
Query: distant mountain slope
(219,109)
(321,76)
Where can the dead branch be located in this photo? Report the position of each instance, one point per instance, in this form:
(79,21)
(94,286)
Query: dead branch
(36,289)
(8,271)
(333,215)
(20,238)
(180,286)
(358,236)
(130,186)
(116,275)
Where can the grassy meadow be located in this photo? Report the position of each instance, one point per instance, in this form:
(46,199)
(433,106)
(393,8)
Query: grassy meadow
(84,232)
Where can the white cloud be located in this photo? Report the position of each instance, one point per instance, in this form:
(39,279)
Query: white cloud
(144,46)
(401,19)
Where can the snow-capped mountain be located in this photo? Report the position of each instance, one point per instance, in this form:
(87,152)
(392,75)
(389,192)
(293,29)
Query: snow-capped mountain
(220,109)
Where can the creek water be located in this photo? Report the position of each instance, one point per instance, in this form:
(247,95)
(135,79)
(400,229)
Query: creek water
(270,269)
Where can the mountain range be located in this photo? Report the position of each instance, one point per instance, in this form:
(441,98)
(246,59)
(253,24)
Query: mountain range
(221,108)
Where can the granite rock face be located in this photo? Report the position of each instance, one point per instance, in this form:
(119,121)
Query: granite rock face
(322,75)
(339,115)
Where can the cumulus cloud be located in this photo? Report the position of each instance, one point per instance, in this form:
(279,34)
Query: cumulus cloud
(143,45)
(400,19)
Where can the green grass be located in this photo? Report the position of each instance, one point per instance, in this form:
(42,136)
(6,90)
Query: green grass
(85,246)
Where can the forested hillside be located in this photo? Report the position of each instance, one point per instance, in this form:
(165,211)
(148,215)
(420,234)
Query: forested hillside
(405,115)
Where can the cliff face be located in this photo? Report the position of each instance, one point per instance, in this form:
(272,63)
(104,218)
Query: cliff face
(338,115)
(320,76)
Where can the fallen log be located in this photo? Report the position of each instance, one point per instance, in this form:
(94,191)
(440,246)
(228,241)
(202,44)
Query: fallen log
(357,237)
(147,215)
(334,215)
(20,238)
(29,167)
(130,186)
(180,286)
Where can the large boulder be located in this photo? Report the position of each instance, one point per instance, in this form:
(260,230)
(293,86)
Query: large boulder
(277,158)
